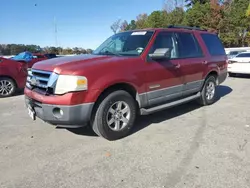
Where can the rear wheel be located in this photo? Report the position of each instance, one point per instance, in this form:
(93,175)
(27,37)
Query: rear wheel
(115,115)
(7,87)
(208,92)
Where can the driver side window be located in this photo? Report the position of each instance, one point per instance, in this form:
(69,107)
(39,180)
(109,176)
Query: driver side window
(166,40)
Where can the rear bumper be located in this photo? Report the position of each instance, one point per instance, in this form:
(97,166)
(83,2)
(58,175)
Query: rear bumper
(222,77)
(62,115)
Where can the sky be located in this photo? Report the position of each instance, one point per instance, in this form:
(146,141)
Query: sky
(80,23)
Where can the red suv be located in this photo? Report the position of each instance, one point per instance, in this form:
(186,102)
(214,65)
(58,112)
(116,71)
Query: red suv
(132,72)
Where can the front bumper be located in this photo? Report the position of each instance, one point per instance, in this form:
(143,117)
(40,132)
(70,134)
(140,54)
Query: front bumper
(62,115)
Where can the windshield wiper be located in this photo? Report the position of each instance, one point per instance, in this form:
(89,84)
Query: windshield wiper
(108,52)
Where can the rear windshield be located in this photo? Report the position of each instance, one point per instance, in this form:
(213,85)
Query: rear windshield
(213,43)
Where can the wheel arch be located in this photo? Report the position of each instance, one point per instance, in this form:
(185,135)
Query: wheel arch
(6,76)
(119,86)
(114,87)
(215,74)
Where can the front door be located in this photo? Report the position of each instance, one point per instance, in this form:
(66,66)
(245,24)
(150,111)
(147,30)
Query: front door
(164,79)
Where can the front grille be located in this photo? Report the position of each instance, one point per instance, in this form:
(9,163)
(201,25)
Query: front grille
(42,82)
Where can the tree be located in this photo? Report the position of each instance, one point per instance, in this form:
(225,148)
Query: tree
(155,19)
(115,26)
(248,11)
(238,19)
(76,50)
(131,25)
(124,25)
(141,21)
(67,51)
(82,50)
(89,51)
(176,17)
(190,3)
(197,15)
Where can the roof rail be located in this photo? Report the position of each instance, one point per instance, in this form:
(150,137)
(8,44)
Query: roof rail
(186,27)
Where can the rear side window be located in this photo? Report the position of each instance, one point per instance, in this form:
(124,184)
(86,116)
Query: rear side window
(213,44)
(188,46)
(244,55)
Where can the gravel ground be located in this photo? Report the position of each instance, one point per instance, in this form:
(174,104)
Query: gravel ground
(186,146)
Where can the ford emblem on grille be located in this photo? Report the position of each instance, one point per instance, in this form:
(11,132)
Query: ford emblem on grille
(34,81)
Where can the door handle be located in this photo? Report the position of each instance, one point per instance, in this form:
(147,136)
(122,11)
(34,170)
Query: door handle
(177,66)
(204,62)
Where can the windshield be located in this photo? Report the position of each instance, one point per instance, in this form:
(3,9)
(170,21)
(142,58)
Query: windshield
(234,53)
(125,44)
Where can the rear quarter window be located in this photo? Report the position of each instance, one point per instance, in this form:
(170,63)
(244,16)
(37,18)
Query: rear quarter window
(244,55)
(188,45)
(213,44)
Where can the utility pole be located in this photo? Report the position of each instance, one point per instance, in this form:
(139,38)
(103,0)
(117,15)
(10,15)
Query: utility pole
(55,25)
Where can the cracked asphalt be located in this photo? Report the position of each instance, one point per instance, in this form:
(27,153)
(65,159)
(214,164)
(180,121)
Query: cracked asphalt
(186,146)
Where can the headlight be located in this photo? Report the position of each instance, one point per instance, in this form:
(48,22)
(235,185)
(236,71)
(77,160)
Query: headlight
(68,83)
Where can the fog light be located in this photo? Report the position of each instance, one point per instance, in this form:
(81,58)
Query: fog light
(57,112)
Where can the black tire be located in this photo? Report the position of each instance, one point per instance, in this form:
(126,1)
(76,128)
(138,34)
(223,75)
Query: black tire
(11,84)
(231,74)
(99,122)
(204,100)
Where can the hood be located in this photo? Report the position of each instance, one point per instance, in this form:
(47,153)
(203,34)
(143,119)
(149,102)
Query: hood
(71,64)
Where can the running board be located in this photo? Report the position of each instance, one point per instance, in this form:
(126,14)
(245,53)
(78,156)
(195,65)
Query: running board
(144,111)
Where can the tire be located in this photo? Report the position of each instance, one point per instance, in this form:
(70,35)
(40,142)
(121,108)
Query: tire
(204,99)
(7,87)
(108,111)
(231,74)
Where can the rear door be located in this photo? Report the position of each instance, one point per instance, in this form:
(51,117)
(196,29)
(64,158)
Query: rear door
(192,62)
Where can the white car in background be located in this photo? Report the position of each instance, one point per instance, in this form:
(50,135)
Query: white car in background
(240,64)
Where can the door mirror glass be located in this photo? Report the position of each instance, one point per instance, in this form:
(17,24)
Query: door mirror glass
(161,53)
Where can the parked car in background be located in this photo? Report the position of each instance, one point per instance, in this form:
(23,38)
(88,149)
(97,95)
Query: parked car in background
(13,71)
(240,64)
(132,72)
(32,58)
(232,54)
(13,76)
(241,57)
(50,55)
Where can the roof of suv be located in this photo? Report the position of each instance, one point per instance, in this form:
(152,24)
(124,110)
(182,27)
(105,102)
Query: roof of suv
(175,28)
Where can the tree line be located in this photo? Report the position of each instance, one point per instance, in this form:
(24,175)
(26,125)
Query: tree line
(229,18)
(13,49)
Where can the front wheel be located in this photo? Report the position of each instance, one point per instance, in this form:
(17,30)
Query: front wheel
(7,87)
(115,115)
(208,92)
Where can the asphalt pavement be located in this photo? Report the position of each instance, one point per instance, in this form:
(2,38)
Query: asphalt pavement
(186,146)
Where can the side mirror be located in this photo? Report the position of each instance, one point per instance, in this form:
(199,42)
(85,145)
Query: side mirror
(161,53)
